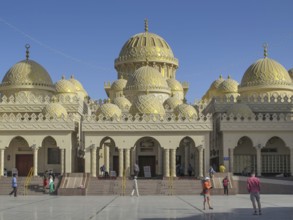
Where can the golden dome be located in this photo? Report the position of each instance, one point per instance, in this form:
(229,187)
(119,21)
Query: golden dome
(122,102)
(119,85)
(78,85)
(65,86)
(149,79)
(241,109)
(147,104)
(185,110)
(146,45)
(55,109)
(27,74)
(266,73)
(228,86)
(172,102)
(109,110)
(174,85)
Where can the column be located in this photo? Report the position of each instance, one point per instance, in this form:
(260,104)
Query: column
(258,161)
(231,157)
(127,162)
(200,162)
(62,156)
(159,161)
(166,163)
(173,162)
(35,150)
(291,161)
(93,161)
(186,158)
(121,160)
(2,162)
(107,158)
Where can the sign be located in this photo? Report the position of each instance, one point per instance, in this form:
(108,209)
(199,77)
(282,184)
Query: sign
(147,171)
(226,158)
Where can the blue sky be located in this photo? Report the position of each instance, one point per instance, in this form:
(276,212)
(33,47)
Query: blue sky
(84,37)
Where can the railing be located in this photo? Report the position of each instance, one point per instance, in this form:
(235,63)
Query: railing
(28,180)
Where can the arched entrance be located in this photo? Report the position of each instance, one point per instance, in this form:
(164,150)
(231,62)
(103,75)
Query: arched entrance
(49,156)
(147,153)
(244,157)
(275,157)
(107,155)
(187,157)
(19,155)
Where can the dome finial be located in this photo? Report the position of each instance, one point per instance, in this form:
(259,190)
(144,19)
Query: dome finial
(146,25)
(63,76)
(265,47)
(27,46)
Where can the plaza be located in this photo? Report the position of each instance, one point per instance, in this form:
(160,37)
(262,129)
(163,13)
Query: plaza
(143,207)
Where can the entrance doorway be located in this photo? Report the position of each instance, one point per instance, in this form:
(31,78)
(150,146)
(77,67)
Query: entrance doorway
(24,162)
(147,161)
(115,165)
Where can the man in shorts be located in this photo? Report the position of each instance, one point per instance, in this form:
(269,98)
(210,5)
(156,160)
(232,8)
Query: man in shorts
(253,187)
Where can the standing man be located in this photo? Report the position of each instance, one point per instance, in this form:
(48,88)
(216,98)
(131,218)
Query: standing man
(14,185)
(136,170)
(135,187)
(253,187)
(206,188)
(226,185)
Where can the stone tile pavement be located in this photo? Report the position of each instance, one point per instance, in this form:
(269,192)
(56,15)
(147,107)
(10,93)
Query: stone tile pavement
(144,207)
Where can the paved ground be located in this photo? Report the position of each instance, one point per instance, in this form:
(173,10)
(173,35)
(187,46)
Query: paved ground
(145,207)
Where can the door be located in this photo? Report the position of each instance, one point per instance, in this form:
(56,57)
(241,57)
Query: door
(147,161)
(24,162)
(116,164)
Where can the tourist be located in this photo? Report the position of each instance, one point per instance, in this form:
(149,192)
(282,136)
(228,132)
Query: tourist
(253,187)
(14,185)
(226,185)
(206,188)
(190,169)
(222,168)
(51,184)
(212,172)
(136,170)
(135,187)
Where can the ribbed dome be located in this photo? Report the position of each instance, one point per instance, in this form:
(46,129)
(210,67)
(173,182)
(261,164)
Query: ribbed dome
(27,75)
(228,86)
(147,78)
(149,45)
(172,102)
(122,102)
(241,109)
(119,85)
(290,71)
(185,110)
(109,110)
(55,109)
(147,104)
(265,72)
(78,86)
(214,88)
(65,86)
(174,85)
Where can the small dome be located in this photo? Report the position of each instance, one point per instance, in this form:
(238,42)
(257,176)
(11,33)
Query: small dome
(174,85)
(122,102)
(65,86)
(172,102)
(241,109)
(228,86)
(265,72)
(119,85)
(148,79)
(147,104)
(109,110)
(78,86)
(27,75)
(55,109)
(185,110)
(290,71)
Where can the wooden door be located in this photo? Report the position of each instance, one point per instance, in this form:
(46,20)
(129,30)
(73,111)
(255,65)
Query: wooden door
(147,161)
(23,163)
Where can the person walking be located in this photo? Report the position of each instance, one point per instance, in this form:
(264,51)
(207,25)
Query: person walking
(253,187)
(226,185)
(206,188)
(51,185)
(212,172)
(135,187)
(136,170)
(14,185)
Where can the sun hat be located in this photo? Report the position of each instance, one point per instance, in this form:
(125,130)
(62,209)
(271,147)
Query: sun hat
(206,178)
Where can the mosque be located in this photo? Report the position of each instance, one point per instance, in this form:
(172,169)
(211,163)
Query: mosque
(146,120)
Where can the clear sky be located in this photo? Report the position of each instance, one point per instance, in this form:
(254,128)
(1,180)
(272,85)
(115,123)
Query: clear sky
(84,37)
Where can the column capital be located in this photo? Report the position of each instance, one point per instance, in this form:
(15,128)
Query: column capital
(35,147)
(92,146)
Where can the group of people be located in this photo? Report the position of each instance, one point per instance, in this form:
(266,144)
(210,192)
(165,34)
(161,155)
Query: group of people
(253,188)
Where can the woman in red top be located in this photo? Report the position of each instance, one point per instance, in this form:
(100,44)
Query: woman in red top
(206,188)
